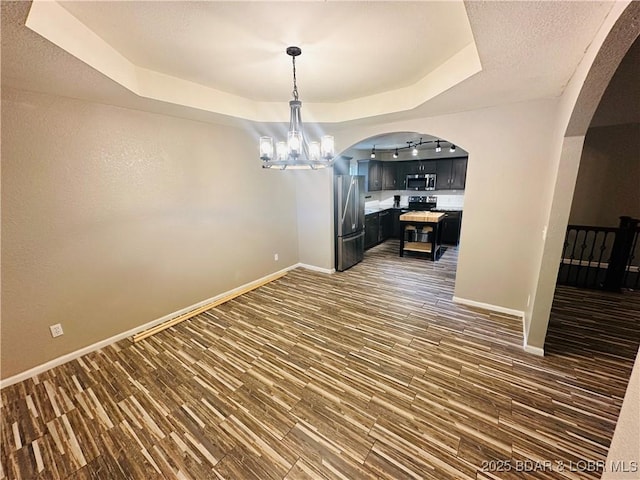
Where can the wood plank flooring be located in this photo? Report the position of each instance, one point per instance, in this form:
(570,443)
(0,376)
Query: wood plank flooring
(370,373)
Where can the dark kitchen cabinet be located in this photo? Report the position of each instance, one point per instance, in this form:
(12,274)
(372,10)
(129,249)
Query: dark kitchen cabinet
(396,224)
(402,170)
(389,179)
(412,167)
(458,173)
(451,174)
(385,223)
(420,166)
(428,166)
(372,171)
(371,230)
(451,228)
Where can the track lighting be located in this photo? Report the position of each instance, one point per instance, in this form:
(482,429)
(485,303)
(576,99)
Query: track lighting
(413,146)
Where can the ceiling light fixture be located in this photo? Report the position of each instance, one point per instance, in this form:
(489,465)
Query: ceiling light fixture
(296,153)
(413,145)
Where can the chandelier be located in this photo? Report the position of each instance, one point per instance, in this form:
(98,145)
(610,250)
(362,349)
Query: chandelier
(296,153)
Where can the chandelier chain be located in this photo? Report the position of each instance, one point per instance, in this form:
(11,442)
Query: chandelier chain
(295,86)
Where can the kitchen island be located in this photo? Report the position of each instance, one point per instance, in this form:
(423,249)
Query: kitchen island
(421,233)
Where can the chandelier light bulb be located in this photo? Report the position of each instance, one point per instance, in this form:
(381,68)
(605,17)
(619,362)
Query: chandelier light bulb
(328,147)
(266,148)
(281,151)
(314,151)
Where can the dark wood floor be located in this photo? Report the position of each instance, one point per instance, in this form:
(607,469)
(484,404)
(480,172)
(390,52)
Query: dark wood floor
(370,373)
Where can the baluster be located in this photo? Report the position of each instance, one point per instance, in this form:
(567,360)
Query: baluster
(626,281)
(572,257)
(590,258)
(581,268)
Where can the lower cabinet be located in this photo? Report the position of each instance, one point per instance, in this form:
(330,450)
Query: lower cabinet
(396,226)
(451,228)
(385,225)
(371,230)
(378,227)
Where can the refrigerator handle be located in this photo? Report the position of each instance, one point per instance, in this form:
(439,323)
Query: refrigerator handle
(346,202)
(356,205)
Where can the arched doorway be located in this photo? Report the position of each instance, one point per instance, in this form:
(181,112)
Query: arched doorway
(581,99)
(399,171)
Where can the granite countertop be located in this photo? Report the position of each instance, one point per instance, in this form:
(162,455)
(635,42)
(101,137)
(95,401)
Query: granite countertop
(369,210)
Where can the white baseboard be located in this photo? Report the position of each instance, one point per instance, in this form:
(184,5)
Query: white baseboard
(533,350)
(315,269)
(129,333)
(488,306)
(509,311)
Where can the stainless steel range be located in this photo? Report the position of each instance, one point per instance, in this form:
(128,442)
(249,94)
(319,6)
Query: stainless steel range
(427,202)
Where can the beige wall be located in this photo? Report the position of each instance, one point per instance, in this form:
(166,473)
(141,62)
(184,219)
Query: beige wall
(509,161)
(576,108)
(608,183)
(314,204)
(112,218)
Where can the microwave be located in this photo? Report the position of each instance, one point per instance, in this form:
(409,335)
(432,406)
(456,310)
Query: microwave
(421,181)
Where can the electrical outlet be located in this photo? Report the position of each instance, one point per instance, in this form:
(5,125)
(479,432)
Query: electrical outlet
(56,330)
(275,257)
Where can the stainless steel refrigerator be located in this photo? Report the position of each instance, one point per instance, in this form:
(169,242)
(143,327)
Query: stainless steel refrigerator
(349,220)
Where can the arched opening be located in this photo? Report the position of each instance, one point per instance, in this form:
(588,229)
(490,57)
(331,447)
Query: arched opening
(397,173)
(622,34)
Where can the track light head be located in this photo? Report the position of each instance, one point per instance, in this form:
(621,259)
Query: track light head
(395,154)
(452,148)
(373,152)
(438,147)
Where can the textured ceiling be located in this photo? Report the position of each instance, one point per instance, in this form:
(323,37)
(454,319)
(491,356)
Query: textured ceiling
(527,50)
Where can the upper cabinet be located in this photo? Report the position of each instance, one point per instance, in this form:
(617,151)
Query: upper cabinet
(420,166)
(372,172)
(451,174)
(389,176)
(458,173)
